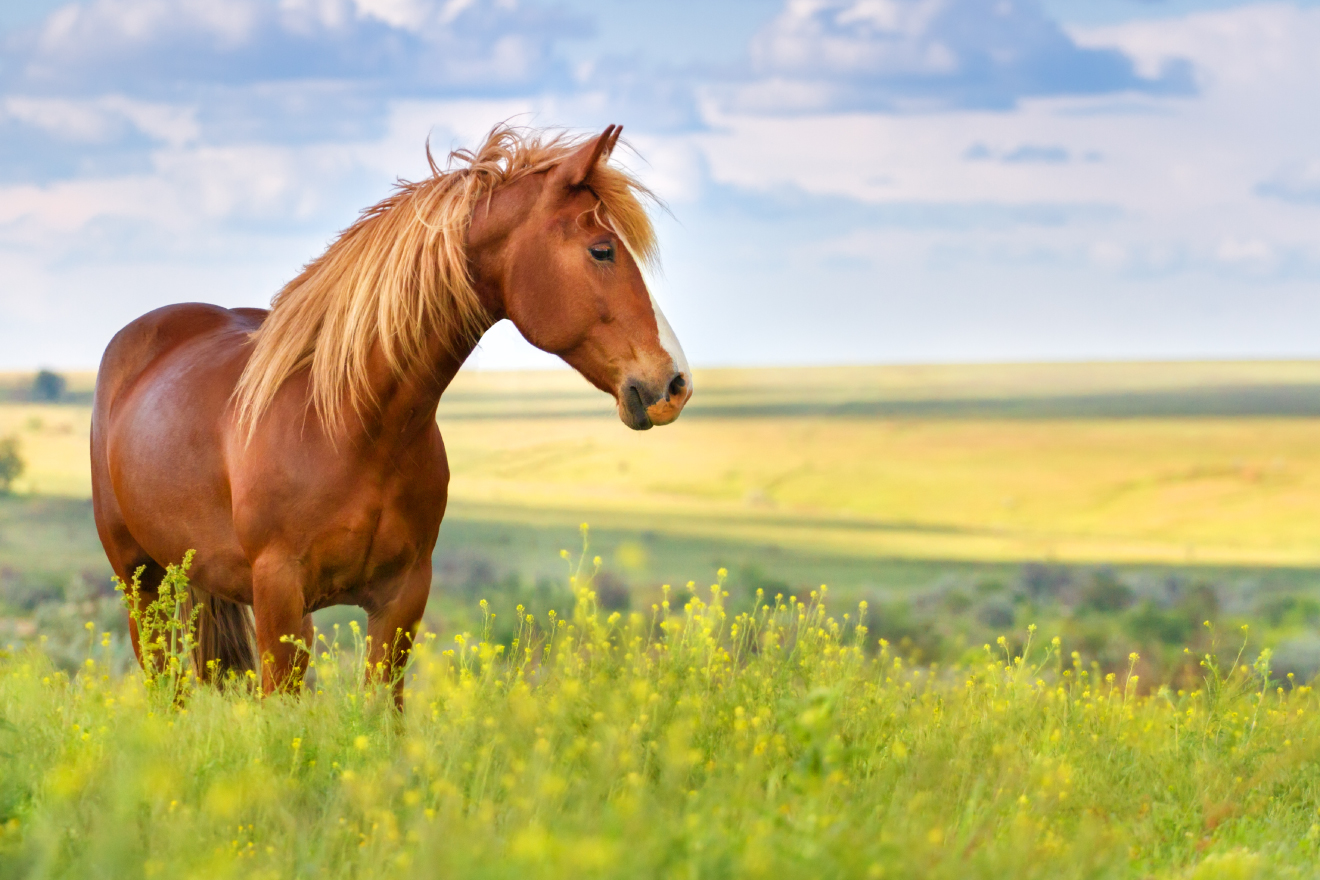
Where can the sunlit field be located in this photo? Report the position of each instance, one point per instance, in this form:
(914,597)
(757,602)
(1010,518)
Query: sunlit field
(1168,463)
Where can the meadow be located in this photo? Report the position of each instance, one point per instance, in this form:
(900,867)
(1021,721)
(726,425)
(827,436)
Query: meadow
(692,740)
(1156,519)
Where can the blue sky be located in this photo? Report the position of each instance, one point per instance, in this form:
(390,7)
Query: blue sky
(849,180)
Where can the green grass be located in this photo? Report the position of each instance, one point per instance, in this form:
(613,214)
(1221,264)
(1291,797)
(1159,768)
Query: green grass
(702,740)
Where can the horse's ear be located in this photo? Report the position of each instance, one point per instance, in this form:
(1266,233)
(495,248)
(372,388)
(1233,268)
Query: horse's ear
(574,170)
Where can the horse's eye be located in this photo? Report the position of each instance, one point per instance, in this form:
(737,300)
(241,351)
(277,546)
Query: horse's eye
(602,253)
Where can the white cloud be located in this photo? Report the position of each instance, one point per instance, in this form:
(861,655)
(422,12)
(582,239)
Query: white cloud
(191,187)
(1248,252)
(144,44)
(79,121)
(138,24)
(906,54)
(870,37)
(1184,177)
(33,214)
(1251,47)
(1297,182)
(102,119)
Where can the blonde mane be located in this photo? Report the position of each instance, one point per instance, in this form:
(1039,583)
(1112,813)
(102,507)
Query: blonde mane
(398,277)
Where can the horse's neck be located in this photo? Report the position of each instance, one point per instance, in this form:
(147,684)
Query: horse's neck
(407,401)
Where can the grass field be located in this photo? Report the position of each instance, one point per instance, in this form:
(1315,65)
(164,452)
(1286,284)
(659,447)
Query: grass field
(1142,514)
(687,741)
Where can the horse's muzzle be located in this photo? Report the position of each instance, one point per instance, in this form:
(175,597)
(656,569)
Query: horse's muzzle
(642,405)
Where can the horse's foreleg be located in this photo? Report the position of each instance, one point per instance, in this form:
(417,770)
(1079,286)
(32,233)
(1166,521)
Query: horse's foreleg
(392,625)
(279,607)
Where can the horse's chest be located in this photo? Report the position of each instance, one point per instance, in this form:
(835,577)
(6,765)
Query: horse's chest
(373,547)
(355,526)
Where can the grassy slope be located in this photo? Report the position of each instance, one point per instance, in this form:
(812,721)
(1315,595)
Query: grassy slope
(1168,463)
(1185,491)
(1172,463)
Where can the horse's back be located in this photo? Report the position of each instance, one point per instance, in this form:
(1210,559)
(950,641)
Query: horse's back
(144,340)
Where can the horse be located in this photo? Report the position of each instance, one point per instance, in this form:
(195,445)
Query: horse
(296,449)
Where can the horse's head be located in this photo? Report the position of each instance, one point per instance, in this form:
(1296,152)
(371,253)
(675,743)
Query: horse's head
(573,287)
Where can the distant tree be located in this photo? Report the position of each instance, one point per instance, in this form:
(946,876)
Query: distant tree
(11,463)
(48,386)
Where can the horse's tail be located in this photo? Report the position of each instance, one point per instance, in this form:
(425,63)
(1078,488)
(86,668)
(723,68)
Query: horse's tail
(226,638)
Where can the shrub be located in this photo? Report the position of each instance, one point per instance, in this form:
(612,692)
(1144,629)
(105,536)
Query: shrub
(11,463)
(1040,581)
(1299,657)
(1289,609)
(612,592)
(48,386)
(1106,593)
(1149,624)
(997,613)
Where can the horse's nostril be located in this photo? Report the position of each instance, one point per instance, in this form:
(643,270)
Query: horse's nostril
(636,405)
(677,385)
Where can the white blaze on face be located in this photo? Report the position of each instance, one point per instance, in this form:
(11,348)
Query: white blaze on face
(669,341)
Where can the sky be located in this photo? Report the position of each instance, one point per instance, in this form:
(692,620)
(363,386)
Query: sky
(846,181)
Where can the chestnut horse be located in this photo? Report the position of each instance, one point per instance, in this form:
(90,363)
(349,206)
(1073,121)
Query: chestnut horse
(296,449)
